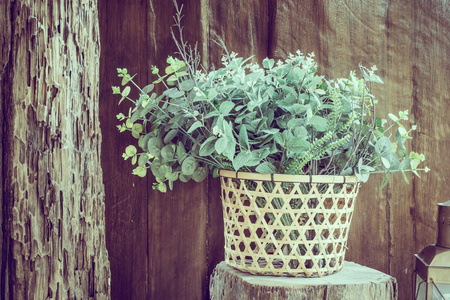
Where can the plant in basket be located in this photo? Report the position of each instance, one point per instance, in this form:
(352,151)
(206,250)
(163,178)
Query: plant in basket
(291,147)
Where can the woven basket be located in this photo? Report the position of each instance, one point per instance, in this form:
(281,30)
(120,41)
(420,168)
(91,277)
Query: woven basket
(286,225)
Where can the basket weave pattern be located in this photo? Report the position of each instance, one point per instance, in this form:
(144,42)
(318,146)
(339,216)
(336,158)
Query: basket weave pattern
(290,225)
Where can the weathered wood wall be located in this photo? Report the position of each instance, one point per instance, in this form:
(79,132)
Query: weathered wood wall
(160,254)
(53,214)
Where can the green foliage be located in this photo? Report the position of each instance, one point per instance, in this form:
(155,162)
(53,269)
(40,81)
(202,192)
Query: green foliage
(279,118)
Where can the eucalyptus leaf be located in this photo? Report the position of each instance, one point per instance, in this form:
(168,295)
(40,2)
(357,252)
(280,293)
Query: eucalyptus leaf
(363,175)
(393,117)
(385,162)
(154,146)
(143,159)
(402,152)
(154,167)
(161,187)
(168,152)
(136,115)
(172,176)
(143,140)
(130,151)
(394,163)
(185,178)
(189,165)
(200,174)
(383,146)
(148,88)
(126,92)
(162,170)
(134,160)
(140,171)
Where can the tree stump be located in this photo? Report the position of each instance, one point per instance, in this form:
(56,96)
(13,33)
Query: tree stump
(352,282)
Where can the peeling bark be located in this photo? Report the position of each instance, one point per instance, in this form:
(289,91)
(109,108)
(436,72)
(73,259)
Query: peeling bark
(53,230)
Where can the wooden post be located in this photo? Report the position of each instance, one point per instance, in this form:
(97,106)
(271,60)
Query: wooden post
(53,228)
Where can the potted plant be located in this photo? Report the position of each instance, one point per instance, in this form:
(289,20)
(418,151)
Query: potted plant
(291,148)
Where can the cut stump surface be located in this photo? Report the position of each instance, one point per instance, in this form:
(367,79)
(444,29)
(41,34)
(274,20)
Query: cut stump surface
(352,282)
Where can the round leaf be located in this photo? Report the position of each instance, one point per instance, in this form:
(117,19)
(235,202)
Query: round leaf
(155,145)
(383,146)
(140,171)
(200,174)
(143,159)
(167,152)
(189,165)
(130,151)
(138,127)
(185,178)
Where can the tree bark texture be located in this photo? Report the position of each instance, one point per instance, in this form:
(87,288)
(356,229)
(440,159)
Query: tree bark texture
(353,282)
(408,42)
(53,225)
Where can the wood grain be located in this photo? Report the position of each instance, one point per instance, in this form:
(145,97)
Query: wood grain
(52,192)
(123,37)
(407,41)
(408,45)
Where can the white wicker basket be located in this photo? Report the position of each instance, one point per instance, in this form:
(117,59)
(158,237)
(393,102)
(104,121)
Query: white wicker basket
(294,225)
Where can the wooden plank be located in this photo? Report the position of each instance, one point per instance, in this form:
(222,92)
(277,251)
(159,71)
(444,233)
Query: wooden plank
(396,95)
(177,220)
(123,38)
(431,99)
(177,243)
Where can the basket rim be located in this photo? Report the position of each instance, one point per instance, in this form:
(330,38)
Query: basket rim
(289,177)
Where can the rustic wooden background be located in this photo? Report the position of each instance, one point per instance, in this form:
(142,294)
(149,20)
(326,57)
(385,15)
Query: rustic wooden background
(164,246)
